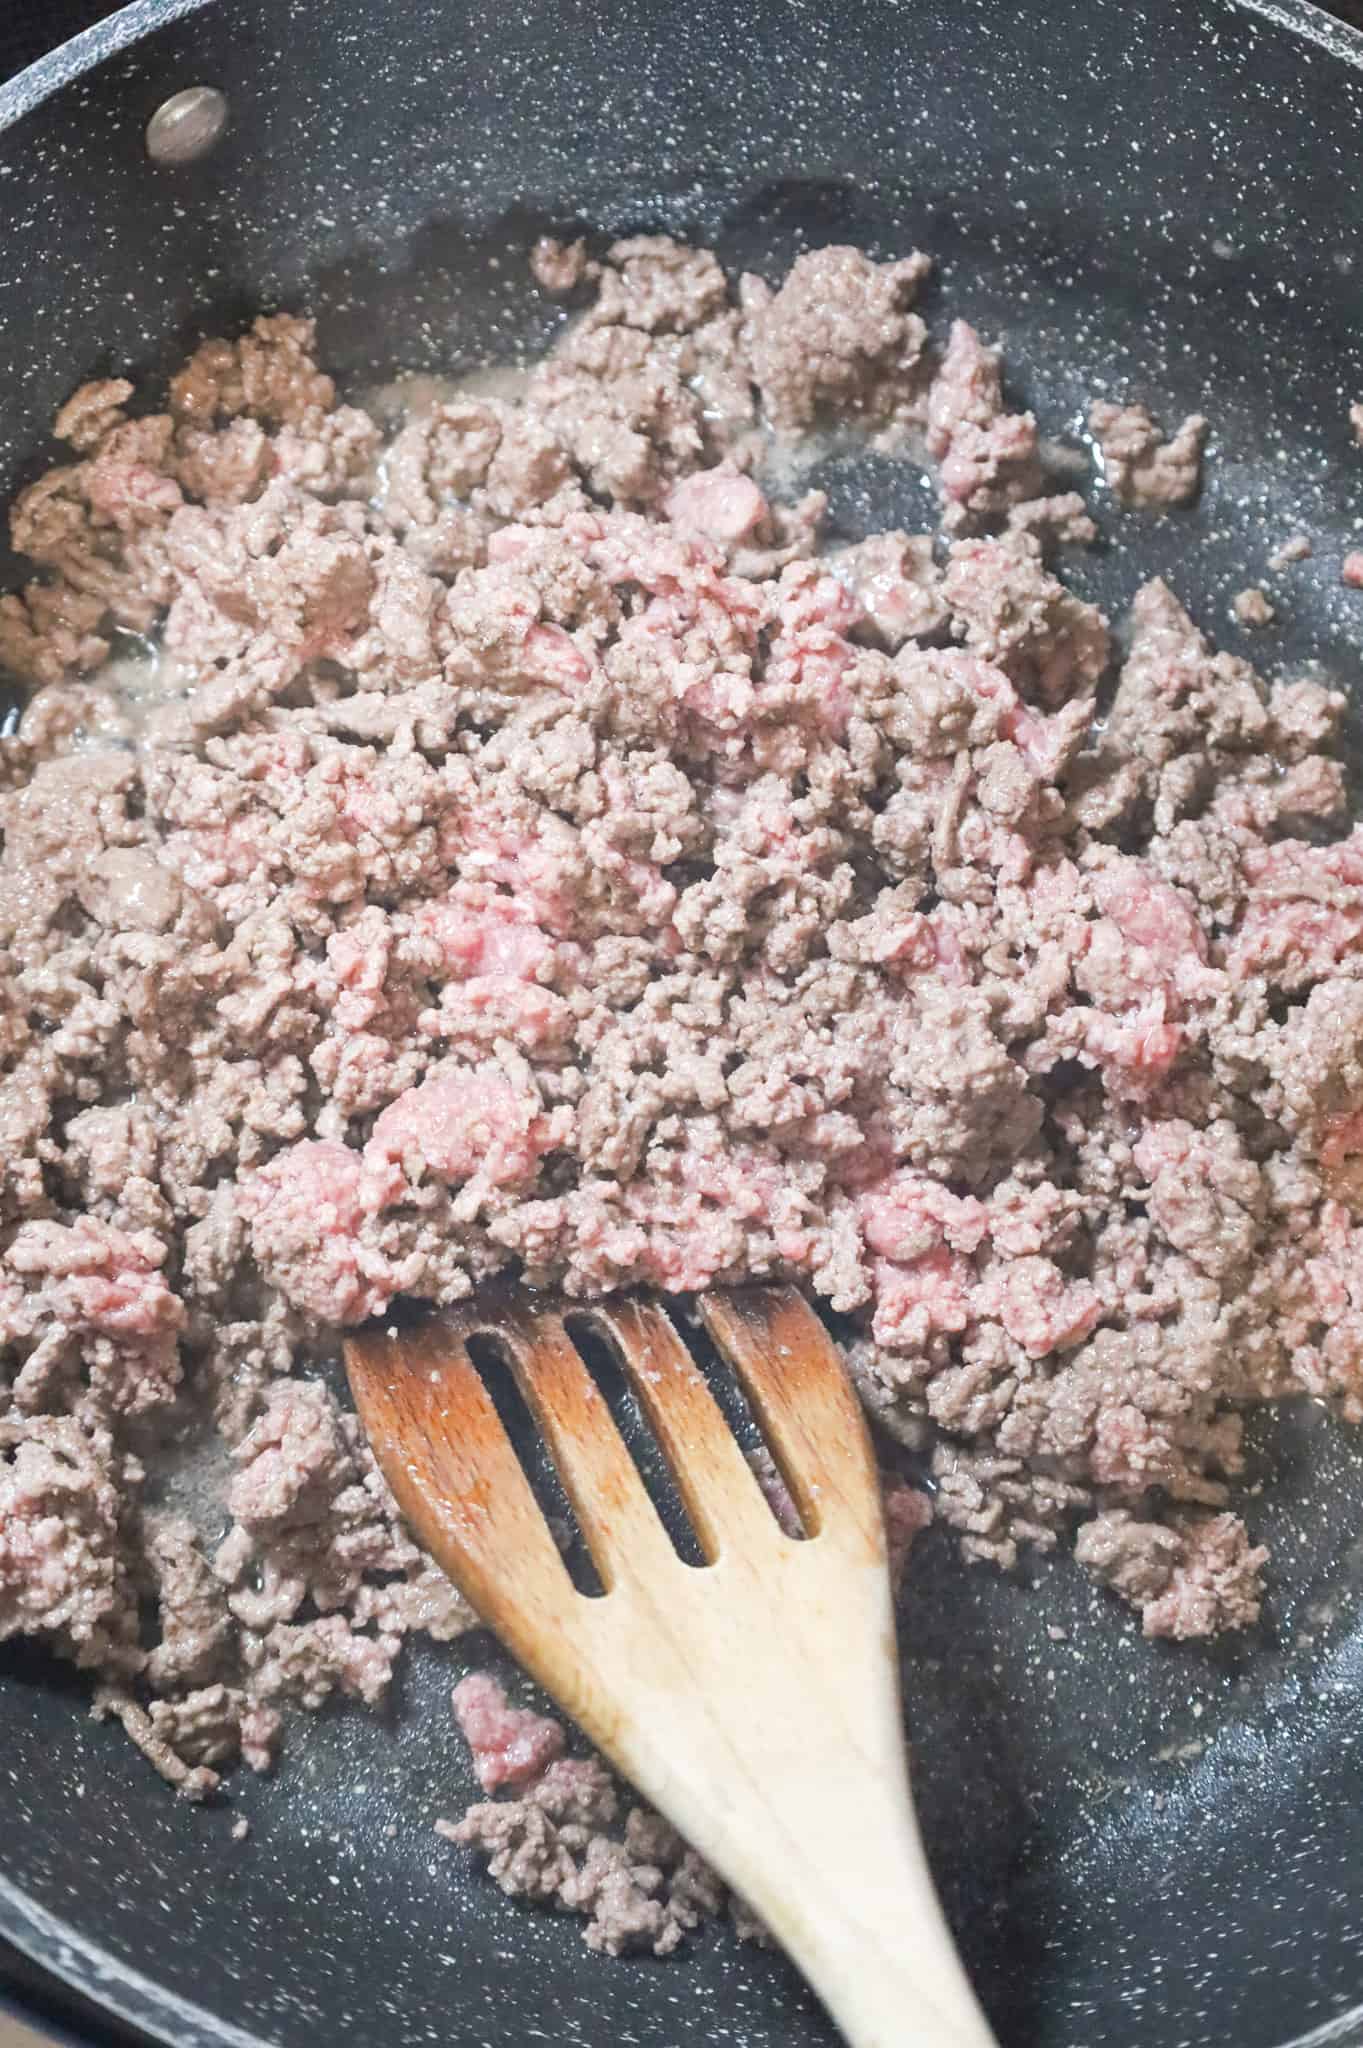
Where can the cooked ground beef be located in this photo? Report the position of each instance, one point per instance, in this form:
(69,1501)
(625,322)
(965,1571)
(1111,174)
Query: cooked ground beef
(1251,607)
(521,847)
(1296,548)
(570,1840)
(1141,466)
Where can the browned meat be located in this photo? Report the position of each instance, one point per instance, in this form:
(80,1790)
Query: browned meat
(1141,466)
(513,843)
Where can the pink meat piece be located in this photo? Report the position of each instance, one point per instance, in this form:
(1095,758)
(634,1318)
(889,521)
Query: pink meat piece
(510,1745)
(92,1280)
(292,1463)
(1303,916)
(810,652)
(98,1276)
(309,1660)
(977,456)
(987,458)
(1008,608)
(628,549)
(671,636)
(1150,913)
(809,596)
(1206,1194)
(682,1225)
(1217,1584)
(307,1209)
(212,857)
(1341,1138)
(721,503)
(967,387)
(760,818)
(1045,743)
(910,1213)
(479,841)
(695,643)
(1330,1364)
(897,585)
(1148,938)
(129,495)
(465,1123)
(816,663)
(917,944)
(359,956)
(555,657)
(1138,1049)
(921,1297)
(498,937)
(62,1573)
(1351,572)
(477,1013)
(908,1511)
(1039,1307)
(1131,1450)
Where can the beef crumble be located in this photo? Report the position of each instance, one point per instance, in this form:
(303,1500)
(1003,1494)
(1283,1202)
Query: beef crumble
(1140,464)
(1251,607)
(526,848)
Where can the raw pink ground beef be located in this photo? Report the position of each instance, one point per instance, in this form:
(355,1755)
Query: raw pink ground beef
(541,855)
(510,1745)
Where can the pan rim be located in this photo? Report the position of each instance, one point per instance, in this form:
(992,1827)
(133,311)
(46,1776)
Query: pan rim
(74,1961)
(29,88)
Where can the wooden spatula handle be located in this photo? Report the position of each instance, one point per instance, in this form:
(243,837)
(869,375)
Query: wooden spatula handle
(869,1935)
(783,1760)
(773,1737)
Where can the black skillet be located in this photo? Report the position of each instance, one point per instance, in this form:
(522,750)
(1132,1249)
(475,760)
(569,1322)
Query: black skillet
(1138,1845)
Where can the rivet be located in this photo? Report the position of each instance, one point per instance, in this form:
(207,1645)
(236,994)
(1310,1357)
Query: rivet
(186,126)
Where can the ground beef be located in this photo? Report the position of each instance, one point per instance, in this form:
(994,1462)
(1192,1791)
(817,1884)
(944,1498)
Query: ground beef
(63,1565)
(1186,1578)
(898,586)
(987,456)
(569,1839)
(837,333)
(558,266)
(1251,607)
(518,846)
(1141,466)
(1296,548)
(510,1745)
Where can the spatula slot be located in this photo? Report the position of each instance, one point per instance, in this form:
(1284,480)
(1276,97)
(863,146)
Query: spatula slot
(491,1357)
(743,1420)
(598,1353)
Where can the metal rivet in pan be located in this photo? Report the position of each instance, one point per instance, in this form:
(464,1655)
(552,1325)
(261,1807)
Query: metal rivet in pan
(186,126)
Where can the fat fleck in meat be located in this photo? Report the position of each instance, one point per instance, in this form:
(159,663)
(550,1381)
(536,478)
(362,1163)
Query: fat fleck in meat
(507,840)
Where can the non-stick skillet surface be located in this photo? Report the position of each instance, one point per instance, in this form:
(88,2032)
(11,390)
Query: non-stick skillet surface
(1137,1844)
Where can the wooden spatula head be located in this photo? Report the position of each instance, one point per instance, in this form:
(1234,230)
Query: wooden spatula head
(753,1699)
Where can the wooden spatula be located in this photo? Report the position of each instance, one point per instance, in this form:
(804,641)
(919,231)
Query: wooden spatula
(755,1700)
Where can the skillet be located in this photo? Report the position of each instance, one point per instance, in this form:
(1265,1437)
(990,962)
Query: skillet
(1136,1843)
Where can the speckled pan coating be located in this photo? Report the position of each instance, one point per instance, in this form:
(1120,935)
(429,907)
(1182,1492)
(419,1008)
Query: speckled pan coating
(1140,1846)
